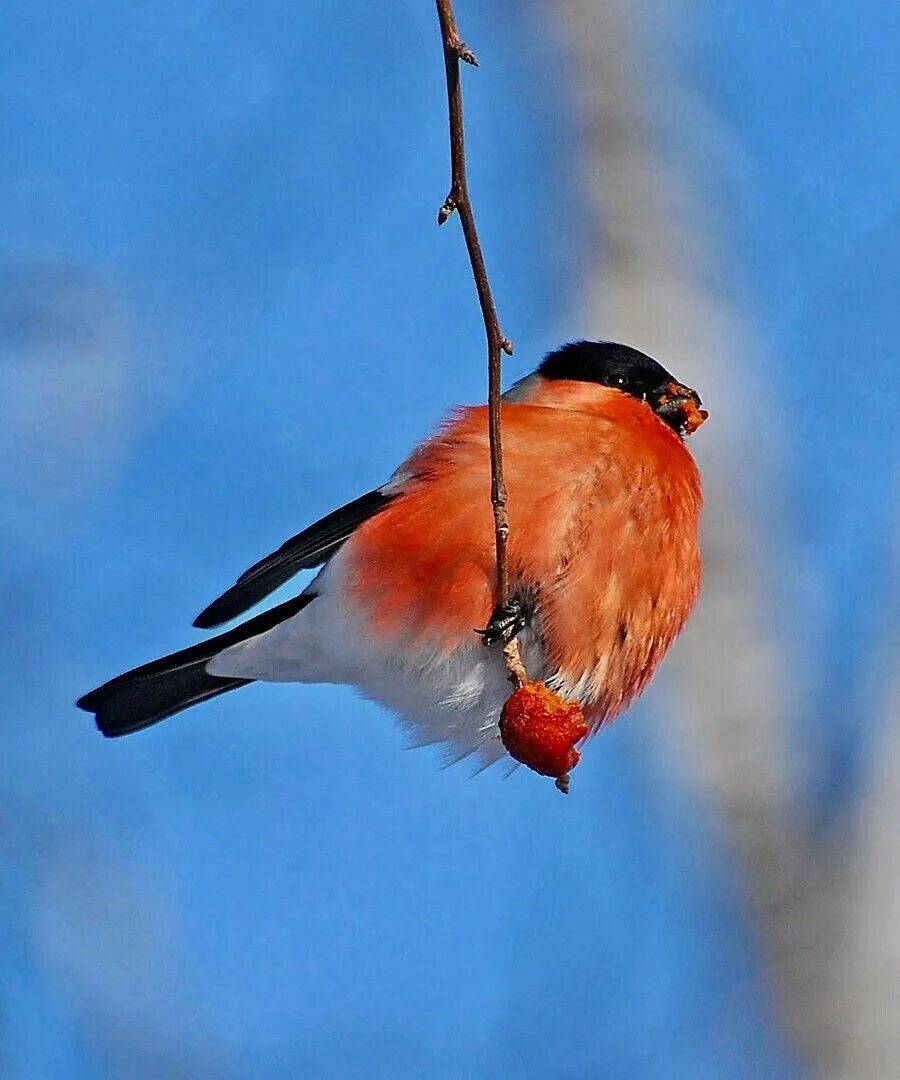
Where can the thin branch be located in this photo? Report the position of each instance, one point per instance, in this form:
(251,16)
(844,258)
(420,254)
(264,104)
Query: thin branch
(455,50)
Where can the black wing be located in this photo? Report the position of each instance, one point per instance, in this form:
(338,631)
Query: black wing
(302,552)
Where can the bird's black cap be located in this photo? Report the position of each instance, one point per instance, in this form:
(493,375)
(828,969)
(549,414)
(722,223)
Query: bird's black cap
(609,364)
(632,372)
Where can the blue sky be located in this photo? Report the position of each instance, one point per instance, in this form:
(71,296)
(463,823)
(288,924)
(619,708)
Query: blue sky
(224,310)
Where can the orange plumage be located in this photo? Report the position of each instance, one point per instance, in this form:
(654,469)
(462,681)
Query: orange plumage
(604,505)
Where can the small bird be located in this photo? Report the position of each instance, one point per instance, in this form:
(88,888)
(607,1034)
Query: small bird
(604,504)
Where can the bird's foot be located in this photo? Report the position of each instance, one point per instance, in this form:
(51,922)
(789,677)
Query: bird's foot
(506,623)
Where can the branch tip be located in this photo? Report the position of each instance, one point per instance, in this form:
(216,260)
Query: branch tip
(515,669)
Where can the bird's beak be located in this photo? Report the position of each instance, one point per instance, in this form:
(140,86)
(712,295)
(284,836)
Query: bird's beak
(679,407)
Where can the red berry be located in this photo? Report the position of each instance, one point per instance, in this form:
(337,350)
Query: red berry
(540,729)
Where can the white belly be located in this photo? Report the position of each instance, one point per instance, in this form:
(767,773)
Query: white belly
(453,699)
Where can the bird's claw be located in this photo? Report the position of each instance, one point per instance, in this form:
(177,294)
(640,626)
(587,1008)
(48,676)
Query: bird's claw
(506,623)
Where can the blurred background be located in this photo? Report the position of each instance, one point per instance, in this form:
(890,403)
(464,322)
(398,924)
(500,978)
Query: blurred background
(224,310)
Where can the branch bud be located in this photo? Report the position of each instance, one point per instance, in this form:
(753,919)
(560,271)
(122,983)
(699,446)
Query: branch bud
(449,205)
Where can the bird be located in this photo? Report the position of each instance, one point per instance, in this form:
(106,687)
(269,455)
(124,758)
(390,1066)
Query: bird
(604,506)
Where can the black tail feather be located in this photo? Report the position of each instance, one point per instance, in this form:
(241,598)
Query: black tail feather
(150,693)
(143,700)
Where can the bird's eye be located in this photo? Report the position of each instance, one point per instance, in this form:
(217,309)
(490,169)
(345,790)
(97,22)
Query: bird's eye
(620,381)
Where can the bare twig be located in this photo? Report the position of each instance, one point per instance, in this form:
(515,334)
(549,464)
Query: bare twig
(455,50)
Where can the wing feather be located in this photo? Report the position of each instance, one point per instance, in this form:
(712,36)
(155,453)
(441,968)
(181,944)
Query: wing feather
(307,549)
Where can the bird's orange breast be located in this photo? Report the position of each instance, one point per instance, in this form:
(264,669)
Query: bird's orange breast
(604,505)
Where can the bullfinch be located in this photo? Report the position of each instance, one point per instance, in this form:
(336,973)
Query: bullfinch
(604,506)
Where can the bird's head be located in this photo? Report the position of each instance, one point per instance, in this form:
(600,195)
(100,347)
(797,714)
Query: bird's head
(632,372)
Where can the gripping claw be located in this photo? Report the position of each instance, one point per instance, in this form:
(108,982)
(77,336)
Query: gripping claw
(506,623)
